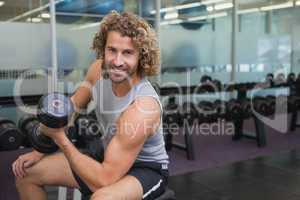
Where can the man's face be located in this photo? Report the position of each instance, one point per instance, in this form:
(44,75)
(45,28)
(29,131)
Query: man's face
(121,57)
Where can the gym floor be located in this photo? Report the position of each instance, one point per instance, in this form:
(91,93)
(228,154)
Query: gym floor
(275,177)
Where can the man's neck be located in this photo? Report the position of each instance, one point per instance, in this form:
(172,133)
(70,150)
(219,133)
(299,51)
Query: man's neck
(121,89)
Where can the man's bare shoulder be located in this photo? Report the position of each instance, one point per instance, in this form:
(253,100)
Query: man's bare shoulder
(147,105)
(94,72)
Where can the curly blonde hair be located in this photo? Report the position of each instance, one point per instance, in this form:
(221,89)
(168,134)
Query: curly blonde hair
(142,34)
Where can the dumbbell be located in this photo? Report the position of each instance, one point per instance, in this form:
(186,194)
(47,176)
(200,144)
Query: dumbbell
(89,134)
(250,85)
(188,111)
(207,112)
(207,87)
(29,123)
(171,120)
(26,125)
(220,107)
(233,110)
(293,103)
(246,108)
(171,112)
(271,101)
(217,84)
(53,111)
(229,87)
(260,105)
(11,137)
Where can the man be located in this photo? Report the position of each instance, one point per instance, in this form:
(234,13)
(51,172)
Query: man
(128,108)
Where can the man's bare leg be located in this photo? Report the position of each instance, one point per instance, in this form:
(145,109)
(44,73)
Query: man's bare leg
(51,170)
(128,188)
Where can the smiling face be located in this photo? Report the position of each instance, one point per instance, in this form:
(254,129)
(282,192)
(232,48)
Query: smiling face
(121,57)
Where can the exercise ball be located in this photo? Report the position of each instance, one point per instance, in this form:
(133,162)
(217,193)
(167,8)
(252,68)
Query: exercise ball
(74,6)
(185,54)
(70,6)
(193,12)
(67,57)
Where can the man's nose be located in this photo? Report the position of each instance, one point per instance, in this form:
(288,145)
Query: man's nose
(118,60)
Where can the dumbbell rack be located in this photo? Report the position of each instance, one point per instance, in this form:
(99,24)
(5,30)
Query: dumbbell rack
(188,145)
(259,134)
(27,100)
(294,120)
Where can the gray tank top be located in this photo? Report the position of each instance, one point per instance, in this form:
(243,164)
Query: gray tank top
(109,107)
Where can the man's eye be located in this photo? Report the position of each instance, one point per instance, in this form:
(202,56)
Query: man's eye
(128,52)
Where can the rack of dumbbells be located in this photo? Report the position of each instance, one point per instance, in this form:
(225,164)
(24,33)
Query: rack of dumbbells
(173,116)
(186,115)
(243,108)
(236,110)
(11,137)
(294,102)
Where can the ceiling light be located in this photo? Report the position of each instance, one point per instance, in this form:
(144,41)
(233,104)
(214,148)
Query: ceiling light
(36,19)
(245,11)
(278,6)
(45,15)
(85,26)
(191,19)
(211,2)
(210,8)
(216,15)
(171,15)
(175,21)
(185,6)
(223,6)
(2,3)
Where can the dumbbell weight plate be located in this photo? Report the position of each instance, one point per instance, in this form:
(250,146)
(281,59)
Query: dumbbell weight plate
(40,142)
(25,124)
(54,110)
(10,136)
(271,100)
(246,108)
(261,105)
(233,110)
(23,121)
(189,113)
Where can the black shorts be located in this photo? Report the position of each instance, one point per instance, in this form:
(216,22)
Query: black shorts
(152,176)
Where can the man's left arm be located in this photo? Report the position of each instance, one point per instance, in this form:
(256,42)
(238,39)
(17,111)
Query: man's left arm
(134,126)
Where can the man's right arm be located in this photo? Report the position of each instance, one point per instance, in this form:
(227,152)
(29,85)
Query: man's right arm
(80,99)
(83,93)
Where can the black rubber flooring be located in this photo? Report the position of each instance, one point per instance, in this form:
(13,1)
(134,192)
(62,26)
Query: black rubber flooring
(275,177)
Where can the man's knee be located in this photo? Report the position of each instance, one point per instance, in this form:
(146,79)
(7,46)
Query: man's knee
(33,177)
(26,181)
